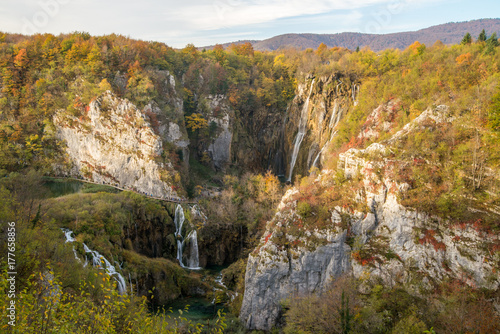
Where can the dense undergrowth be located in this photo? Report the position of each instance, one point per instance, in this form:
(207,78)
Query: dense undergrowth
(451,308)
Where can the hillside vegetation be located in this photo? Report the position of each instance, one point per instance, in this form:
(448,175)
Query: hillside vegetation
(451,167)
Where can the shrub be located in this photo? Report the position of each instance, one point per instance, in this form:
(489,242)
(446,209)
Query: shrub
(304,209)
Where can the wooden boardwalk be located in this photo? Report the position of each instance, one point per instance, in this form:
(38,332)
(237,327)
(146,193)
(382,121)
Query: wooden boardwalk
(177,200)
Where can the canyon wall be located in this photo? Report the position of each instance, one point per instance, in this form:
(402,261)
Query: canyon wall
(371,236)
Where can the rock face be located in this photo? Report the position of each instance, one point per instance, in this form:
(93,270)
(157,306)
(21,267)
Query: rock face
(379,239)
(276,271)
(274,274)
(115,144)
(219,245)
(221,114)
(322,102)
(420,244)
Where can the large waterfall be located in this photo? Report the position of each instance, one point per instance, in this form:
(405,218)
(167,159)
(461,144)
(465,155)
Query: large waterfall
(191,241)
(301,133)
(100,262)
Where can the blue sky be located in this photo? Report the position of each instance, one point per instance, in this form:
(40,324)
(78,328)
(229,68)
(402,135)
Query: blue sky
(203,22)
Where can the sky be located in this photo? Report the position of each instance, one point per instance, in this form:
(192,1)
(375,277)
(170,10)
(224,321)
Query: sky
(207,22)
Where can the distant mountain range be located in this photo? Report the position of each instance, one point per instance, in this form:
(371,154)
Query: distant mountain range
(448,33)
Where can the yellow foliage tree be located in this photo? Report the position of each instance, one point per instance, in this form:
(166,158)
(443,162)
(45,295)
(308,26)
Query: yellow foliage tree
(196,122)
(272,186)
(417,48)
(321,50)
(464,59)
(104,85)
(21,59)
(245,49)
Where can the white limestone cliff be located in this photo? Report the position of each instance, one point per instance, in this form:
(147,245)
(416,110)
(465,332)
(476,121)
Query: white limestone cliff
(113,143)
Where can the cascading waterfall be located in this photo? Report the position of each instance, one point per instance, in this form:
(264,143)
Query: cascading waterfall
(319,154)
(334,113)
(193,261)
(180,246)
(67,234)
(97,261)
(335,118)
(178,220)
(191,240)
(301,133)
(69,238)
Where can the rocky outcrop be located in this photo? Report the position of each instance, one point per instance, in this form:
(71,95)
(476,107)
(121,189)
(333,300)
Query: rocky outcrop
(114,143)
(275,273)
(405,243)
(376,124)
(220,118)
(377,239)
(166,116)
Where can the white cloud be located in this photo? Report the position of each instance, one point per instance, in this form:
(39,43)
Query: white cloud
(195,21)
(231,13)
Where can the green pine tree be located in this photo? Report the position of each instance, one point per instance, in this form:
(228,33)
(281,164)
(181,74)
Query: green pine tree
(493,40)
(482,36)
(467,39)
(345,316)
(492,43)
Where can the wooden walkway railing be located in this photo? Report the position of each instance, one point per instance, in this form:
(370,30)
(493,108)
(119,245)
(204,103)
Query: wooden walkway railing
(177,200)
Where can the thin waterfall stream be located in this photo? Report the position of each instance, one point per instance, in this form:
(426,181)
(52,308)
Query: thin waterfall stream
(99,261)
(301,133)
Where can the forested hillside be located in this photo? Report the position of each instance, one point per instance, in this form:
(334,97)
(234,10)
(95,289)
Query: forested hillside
(358,191)
(448,33)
